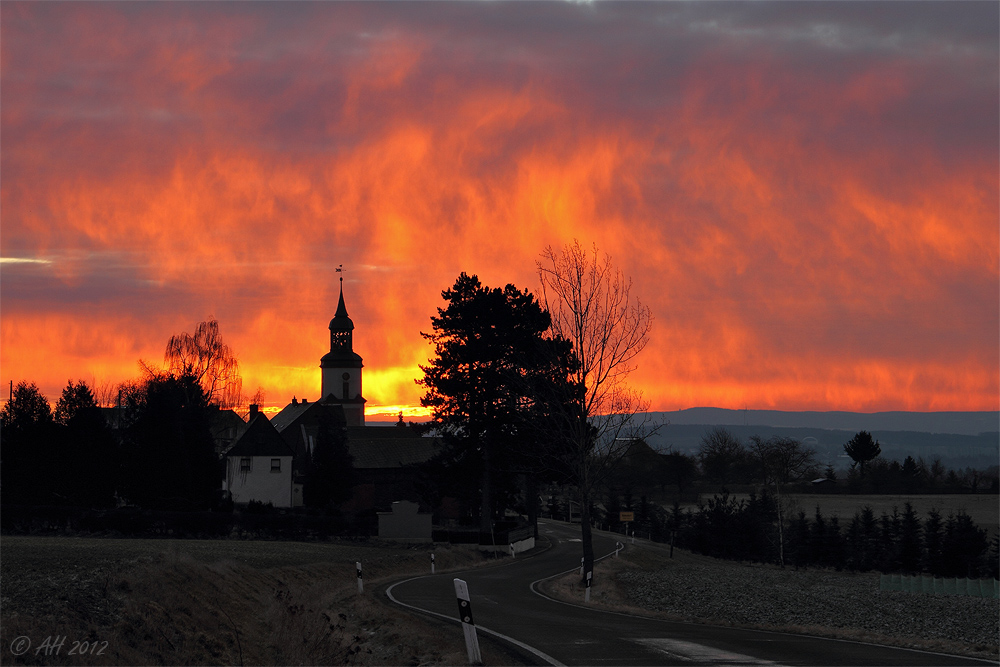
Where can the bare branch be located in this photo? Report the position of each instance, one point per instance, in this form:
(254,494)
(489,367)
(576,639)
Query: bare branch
(592,306)
(205,357)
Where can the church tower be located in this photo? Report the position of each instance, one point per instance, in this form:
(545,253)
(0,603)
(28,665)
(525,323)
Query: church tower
(341,367)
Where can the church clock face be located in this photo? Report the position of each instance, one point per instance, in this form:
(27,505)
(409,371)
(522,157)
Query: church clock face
(347,376)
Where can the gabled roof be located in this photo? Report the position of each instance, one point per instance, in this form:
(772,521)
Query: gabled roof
(294,411)
(226,427)
(260,439)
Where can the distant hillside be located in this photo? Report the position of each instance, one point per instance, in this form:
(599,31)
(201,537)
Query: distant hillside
(965,423)
(959,439)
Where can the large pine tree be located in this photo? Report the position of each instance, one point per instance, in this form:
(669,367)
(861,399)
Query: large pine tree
(482,382)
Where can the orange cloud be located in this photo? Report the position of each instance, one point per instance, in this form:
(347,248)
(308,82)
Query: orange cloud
(807,232)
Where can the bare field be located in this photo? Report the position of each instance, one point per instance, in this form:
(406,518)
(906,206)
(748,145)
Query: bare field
(693,588)
(154,602)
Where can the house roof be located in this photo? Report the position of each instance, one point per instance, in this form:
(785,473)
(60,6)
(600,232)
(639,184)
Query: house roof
(260,439)
(219,419)
(294,411)
(226,427)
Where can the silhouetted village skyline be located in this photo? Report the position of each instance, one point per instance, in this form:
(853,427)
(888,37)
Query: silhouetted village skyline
(320,457)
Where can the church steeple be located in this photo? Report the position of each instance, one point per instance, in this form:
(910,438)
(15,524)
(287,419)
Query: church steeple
(341,367)
(341,327)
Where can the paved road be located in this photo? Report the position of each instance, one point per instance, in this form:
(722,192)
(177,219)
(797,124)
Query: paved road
(505,602)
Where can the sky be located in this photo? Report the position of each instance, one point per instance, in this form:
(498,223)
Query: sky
(805,194)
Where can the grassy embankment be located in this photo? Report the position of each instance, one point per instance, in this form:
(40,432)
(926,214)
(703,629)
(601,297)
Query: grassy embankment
(208,602)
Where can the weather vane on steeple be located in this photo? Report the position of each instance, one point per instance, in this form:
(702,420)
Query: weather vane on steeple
(340,270)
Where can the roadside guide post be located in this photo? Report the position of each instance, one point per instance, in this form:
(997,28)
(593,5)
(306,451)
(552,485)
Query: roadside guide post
(586,596)
(361,581)
(468,625)
(581,567)
(618,547)
(511,549)
(432,562)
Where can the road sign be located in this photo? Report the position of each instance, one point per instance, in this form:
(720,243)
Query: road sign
(626,516)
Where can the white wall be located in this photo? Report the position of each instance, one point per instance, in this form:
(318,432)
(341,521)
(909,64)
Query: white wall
(260,483)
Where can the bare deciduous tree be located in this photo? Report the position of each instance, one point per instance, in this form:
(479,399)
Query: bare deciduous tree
(722,455)
(205,357)
(592,306)
(782,460)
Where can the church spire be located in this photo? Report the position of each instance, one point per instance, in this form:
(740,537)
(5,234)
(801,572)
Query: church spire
(341,325)
(341,308)
(341,367)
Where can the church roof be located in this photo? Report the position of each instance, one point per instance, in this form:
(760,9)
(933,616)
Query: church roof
(389,447)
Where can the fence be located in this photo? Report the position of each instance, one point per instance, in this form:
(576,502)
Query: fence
(977,588)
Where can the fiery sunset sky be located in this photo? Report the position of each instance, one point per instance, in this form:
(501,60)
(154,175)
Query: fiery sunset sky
(805,194)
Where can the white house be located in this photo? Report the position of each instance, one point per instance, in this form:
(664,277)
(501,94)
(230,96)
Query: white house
(259,465)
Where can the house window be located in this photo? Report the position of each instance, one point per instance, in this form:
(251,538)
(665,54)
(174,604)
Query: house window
(245,464)
(275,465)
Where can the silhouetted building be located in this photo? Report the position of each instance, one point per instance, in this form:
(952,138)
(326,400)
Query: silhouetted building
(341,367)
(299,423)
(385,458)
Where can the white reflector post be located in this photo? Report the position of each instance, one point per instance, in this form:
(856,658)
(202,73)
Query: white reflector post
(432,563)
(511,549)
(586,596)
(468,624)
(581,567)
(361,581)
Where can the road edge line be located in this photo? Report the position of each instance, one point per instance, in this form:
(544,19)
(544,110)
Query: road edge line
(530,649)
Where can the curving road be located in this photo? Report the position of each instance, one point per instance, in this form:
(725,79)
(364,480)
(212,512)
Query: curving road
(506,603)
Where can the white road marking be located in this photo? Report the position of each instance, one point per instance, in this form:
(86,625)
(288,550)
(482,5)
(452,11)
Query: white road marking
(699,653)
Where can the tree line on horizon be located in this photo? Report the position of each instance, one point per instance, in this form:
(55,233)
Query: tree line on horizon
(747,530)
(153,449)
(726,460)
(156,450)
